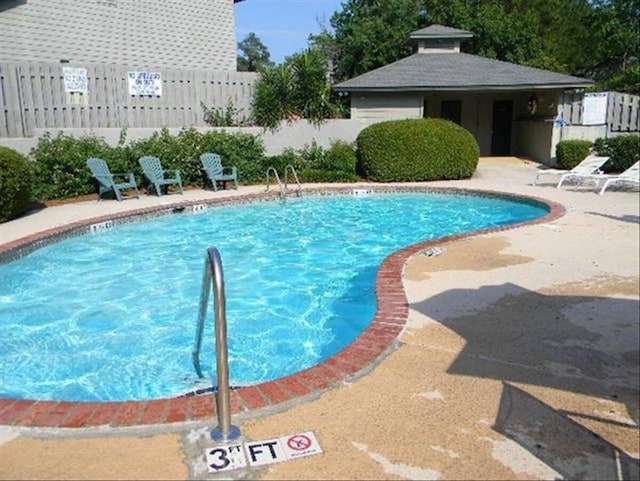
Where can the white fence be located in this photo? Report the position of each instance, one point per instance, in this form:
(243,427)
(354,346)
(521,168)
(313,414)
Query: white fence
(35,96)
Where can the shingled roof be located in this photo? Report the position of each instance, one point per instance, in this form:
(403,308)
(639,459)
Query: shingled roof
(455,71)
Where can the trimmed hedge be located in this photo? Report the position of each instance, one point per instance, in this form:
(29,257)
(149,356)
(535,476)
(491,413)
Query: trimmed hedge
(570,153)
(16,177)
(624,151)
(416,150)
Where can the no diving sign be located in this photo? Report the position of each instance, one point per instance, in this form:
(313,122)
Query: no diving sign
(260,453)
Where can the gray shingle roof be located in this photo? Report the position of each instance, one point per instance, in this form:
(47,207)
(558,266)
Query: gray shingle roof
(440,31)
(457,71)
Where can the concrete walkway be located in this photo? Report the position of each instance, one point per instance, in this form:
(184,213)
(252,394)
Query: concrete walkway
(519,361)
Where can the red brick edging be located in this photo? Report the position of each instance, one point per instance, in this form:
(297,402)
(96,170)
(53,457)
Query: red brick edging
(379,339)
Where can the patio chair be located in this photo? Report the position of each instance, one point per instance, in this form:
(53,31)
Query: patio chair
(212,165)
(591,164)
(107,180)
(630,176)
(157,176)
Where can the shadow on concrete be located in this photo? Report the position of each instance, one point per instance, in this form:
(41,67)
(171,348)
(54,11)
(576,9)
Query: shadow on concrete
(561,443)
(633,219)
(581,344)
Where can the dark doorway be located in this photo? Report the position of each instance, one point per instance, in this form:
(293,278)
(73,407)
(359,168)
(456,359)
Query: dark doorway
(451,110)
(501,127)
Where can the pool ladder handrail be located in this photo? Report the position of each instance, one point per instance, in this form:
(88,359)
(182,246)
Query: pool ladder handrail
(275,173)
(295,175)
(213,276)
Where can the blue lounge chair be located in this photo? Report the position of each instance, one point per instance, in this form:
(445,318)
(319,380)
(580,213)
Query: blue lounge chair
(157,176)
(107,180)
(212,165)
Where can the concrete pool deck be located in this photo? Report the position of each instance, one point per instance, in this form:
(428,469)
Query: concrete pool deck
(519,360)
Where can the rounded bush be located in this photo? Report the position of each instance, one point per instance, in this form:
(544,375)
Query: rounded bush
(570,153)
(16,179)
(416,150)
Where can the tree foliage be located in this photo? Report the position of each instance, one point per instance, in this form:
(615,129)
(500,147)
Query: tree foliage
(255,56)
(592,38)
(300,88)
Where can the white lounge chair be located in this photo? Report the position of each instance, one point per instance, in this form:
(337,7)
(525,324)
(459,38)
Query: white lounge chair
(629,176)
(591,164)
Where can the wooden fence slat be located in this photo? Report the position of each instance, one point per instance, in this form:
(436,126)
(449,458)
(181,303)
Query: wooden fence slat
(13,120)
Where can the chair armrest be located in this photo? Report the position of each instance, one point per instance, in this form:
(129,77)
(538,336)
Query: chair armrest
(232,168)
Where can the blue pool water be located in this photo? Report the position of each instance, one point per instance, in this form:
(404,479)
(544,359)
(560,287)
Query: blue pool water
(111,315)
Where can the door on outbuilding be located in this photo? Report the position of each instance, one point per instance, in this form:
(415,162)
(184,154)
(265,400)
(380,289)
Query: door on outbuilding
(501,127)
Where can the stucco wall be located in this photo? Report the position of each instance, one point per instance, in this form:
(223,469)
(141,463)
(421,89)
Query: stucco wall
(533,139)
(294,134)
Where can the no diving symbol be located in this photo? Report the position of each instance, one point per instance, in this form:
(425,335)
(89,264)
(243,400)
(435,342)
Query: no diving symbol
(299,442)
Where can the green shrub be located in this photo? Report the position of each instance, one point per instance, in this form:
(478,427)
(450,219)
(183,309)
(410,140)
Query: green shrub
(416,150)
(316,175)
(288,156)
(624,151)
(340,157)
(570,153)
(61,165)
(61,169)
(245,151)
(16,179)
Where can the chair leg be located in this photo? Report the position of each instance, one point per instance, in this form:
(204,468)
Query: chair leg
(117,192)
(235,181)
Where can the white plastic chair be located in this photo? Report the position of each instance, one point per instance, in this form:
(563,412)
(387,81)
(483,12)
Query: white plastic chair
(590,165)
(629,176)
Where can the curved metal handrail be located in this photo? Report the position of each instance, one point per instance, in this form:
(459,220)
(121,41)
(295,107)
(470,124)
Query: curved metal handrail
(213,275)
(275,173)
(295,175)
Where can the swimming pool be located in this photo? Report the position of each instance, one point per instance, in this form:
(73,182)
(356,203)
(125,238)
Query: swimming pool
(111,315)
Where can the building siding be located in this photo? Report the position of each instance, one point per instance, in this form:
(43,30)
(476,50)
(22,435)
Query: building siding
(379,107)
(189,34)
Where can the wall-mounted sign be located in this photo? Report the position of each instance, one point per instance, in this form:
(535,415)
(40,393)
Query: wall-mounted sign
(75,80)
(145,83)
(594,108)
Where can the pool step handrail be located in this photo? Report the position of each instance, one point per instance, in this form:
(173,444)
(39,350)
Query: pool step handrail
(213,276)
(295,176)
(275,174)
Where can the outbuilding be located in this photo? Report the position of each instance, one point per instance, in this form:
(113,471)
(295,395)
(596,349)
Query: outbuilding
(509,108)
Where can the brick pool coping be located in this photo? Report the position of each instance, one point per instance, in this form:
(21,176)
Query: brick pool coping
(378,340)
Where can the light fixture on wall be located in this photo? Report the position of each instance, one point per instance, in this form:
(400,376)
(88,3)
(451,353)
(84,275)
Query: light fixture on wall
(532,104)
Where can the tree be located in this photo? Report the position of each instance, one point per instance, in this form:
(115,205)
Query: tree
(256,54)
(371,33)
(298,88)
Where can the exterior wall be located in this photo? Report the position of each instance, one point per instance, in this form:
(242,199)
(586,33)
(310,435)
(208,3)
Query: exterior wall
(294,134)
(531,135)
(376,107)
(534,139)
(193,34)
